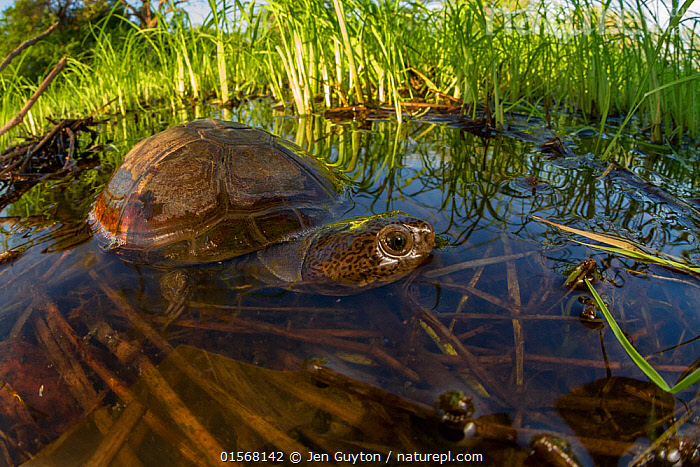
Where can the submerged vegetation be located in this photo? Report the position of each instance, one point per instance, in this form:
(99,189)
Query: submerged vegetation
(505,313)
(316,54)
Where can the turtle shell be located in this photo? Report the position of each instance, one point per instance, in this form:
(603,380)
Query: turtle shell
(209,190)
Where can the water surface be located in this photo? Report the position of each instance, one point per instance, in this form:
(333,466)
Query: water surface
(489,316)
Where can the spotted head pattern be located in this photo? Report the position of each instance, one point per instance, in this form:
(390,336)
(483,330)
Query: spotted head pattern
(367,252)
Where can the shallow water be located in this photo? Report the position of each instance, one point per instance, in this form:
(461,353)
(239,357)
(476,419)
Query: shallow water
(489,316)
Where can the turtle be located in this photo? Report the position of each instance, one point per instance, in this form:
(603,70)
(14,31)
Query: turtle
(210,191)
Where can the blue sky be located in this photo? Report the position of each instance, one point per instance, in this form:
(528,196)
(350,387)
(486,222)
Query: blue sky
(197,8)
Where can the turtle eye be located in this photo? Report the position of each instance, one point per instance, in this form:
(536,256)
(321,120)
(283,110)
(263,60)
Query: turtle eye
(396,240)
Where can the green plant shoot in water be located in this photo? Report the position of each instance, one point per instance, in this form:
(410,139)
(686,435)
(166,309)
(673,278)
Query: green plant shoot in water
(636,357)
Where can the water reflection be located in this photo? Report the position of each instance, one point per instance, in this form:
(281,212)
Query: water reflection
(490,316)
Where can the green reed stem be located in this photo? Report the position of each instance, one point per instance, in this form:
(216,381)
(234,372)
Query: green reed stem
(636,357)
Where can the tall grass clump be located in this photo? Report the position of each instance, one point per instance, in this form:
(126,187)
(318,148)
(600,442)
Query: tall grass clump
(294,50)
(597,60)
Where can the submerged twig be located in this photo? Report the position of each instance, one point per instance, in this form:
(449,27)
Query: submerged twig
(129,353)
(134,318)
(125,351)
(21,275)
(323,338)
(244,414)
(477,263)
(514,293)
(67,366)
(282,309)
(463,288)
(5,453)
(472,362)
(159,427)
(67,360)
(472,283)
(665,436)
(21,320)
(114,442)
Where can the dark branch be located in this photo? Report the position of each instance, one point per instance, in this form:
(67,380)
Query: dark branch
(25,44)
(130,7)
(45,84)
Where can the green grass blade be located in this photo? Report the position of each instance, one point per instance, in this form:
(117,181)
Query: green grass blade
(672,83)
(692,378)
(645,257)
(340,12)
(631,351)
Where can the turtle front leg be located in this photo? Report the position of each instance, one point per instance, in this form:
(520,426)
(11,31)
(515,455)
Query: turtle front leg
(176,287)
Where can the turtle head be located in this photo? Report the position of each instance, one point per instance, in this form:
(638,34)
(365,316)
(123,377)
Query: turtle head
(353,255)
